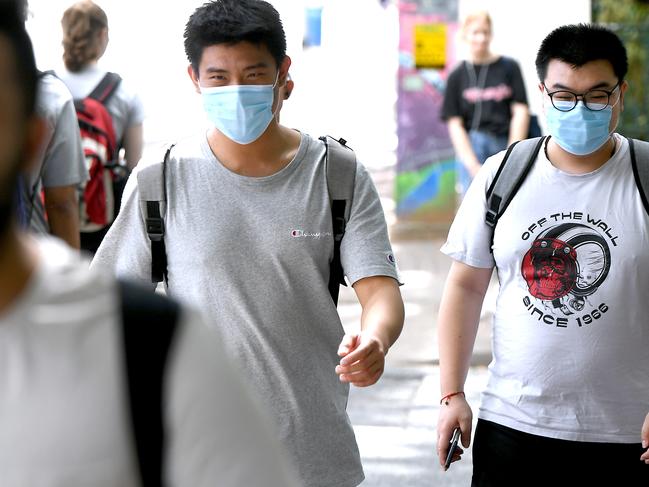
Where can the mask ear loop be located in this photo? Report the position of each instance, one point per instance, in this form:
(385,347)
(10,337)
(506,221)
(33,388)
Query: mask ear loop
(611,132)
(619,95)
(274,85)
(276,80)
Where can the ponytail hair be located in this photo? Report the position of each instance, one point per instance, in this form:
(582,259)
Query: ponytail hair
(82,24)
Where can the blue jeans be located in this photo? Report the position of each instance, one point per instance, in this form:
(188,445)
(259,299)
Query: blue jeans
(484,145)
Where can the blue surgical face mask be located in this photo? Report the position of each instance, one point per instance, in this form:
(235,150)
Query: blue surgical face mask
(580,131)
(241,112)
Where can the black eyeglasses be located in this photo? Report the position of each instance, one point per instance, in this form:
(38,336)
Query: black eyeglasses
(594,100)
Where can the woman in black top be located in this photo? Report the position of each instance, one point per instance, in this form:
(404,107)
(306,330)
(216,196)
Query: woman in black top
(485,104)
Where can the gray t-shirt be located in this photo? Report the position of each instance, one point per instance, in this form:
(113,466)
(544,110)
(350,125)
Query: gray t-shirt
(253,253)
(61,161)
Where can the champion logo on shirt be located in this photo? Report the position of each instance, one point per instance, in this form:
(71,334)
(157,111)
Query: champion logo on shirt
(296,233)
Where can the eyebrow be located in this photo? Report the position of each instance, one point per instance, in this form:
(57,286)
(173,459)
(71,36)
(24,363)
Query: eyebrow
(212,69)
(261,64)
(215,70)
(602,84)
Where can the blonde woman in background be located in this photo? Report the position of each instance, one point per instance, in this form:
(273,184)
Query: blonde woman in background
(485,103)
(85,38)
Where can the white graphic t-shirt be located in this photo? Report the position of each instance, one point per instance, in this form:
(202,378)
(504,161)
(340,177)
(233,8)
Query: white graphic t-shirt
(571,332)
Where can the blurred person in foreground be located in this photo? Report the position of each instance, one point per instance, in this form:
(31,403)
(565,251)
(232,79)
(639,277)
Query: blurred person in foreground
(249,239)
(64,413)
(569,380)
(485,103)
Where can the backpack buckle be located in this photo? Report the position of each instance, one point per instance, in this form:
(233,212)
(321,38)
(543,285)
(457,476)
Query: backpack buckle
(339,228)
(491,218)
(155,228)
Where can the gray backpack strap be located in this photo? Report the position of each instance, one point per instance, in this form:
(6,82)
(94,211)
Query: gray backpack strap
(340,163)
(513,170)
(152,188)
(640,164)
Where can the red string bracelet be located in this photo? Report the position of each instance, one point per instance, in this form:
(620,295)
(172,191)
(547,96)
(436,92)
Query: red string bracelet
(448,396)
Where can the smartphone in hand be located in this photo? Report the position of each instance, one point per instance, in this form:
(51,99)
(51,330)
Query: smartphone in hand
(452,447)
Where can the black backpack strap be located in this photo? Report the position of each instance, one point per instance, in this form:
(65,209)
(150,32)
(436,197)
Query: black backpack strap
(106,87)
(640,164)
(149,323)
(152,187)
(340,163)
(513,170)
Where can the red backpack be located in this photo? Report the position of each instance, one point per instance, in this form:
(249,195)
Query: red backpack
(100,197)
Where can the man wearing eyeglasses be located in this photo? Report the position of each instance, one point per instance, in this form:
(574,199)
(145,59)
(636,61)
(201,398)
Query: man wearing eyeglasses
(568,386)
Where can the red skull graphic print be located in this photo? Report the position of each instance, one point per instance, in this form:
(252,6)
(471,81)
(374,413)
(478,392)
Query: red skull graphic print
(568,261)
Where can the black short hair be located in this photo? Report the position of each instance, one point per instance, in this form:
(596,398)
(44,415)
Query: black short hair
(579,44)
(12,27)
(233,21)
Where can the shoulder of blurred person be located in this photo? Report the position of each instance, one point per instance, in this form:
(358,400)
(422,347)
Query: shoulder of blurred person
(64,360)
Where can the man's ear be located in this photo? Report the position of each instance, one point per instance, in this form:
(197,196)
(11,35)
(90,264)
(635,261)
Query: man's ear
(283,71)
(623,86)
(193,75)
(542,91)
(290,84)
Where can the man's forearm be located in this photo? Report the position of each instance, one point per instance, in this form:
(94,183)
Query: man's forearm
(457,323)
(62,207)
(383,311)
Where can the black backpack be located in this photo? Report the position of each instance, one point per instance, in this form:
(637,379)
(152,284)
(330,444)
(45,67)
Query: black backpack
(340,163)
(518,161)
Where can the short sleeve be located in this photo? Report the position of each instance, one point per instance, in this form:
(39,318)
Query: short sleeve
(136,111)
(452,98)
(64,163)
(125,250)
(469,238)
(365,248)
(519,94)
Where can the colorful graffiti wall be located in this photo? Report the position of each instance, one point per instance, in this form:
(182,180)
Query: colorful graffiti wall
(425,180)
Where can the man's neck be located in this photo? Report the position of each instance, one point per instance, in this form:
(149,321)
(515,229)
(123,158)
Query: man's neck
(267,155)
(483,57)
(573,164)
(18,260)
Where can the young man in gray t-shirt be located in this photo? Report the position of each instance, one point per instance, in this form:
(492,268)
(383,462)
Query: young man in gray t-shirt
(249,240)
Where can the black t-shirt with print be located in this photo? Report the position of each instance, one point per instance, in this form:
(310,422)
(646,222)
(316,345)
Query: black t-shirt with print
(494,86)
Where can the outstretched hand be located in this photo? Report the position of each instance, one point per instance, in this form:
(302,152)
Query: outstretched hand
(363,359)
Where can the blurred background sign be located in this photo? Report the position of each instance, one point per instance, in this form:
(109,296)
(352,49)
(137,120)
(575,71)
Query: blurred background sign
(430,45)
